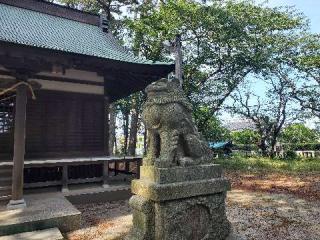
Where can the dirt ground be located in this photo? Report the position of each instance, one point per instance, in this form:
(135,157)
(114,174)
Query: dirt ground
(260,206)
(303,185)
(259,216)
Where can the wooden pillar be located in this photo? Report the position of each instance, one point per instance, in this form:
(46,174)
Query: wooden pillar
(139,163)
(106,174)
(106,126)
(116,167)
(65,179)
(127,166)
(19,149)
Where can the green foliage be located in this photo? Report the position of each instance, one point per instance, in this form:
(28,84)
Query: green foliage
(299,137)
(113,9)
(95,6)
(269,113)
(298,133)
(92,6)
(304,147)
(270,165)
(290,154)
(209,126)
(222,42)
(245,148)
(245,137)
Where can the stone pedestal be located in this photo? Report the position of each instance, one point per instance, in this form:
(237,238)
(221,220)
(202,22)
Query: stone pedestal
(180,203)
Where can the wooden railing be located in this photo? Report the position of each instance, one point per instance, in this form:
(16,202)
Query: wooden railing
(62,172)
(308,154)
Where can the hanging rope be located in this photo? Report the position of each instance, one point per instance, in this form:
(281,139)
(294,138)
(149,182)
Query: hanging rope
(17,85)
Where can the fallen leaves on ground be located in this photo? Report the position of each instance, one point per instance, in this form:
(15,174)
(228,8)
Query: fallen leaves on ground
(261,206)
(103,221)
(304,185)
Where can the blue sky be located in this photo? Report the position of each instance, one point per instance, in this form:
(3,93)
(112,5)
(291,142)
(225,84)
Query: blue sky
(311,8)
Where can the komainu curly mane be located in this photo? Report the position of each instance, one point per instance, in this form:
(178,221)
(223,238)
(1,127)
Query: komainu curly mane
(173,138)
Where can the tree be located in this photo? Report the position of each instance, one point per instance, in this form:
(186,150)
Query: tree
(306,86)
(124,106)
(113,9)
(306,90)
(110,7)
(222,42)
(209,125)
(245,137)
(136,106)
(269,115)
(298,133)
(112,129)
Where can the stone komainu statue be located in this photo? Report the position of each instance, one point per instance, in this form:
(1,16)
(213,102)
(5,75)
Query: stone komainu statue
(173,138)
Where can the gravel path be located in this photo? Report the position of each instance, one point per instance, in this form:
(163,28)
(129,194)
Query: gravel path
(256,216)
(273,216)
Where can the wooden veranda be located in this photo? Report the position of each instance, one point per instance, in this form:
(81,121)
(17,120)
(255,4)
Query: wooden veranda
(63,172)
(63,68)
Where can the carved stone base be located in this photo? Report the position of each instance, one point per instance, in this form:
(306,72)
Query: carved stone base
(188,204)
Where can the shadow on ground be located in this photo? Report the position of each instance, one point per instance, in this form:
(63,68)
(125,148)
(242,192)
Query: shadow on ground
(253,215)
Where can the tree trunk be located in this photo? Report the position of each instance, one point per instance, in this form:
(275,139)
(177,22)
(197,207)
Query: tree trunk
(263,147)
(125,127)
(112,129)
(133,128)
(272,147)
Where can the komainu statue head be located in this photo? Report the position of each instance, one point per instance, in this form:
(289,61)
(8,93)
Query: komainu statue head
(173,138)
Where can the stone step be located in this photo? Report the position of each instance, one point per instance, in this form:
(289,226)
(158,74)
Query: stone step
(47,234)
(97,195)
(43,211)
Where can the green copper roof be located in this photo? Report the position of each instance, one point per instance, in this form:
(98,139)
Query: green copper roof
(31,28)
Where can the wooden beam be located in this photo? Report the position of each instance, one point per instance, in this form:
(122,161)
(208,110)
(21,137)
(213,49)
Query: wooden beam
(68,80)
(6,83)
(38,60)
(19,148)
(106,174)
(35,85)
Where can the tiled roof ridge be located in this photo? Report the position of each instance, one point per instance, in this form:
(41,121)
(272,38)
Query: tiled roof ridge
(36,29)
(55,10)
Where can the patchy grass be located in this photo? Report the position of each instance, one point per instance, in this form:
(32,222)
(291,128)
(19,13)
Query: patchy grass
(256,164)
